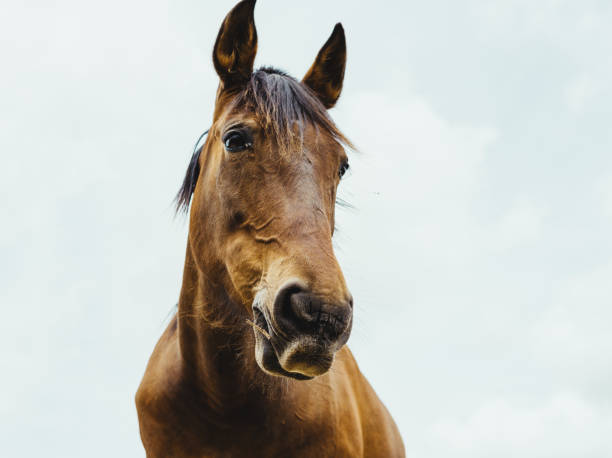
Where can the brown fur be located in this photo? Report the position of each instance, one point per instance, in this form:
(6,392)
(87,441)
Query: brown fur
(259,218)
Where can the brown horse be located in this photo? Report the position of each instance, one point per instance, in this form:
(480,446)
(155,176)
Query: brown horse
(245,367)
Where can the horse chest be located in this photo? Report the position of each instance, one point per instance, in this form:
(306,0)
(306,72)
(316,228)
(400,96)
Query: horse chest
(296,429)
(280,438)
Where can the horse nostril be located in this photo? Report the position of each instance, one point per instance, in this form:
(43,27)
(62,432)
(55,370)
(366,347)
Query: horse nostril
(302,307)
(298,311)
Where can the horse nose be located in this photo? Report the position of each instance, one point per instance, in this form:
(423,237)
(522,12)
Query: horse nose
(299,311)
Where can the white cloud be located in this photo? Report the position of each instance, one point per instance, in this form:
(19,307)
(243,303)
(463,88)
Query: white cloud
(603,192)
(573,332)
(561,425)
(418,173)
(579,92)
(519,225)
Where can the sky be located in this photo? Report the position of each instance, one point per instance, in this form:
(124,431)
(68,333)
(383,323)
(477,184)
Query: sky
(478,250)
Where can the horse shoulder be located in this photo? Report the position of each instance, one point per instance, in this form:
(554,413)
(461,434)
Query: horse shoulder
(381,437)
(157,396)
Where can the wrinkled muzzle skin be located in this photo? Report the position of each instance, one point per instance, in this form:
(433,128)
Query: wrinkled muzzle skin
(264,219)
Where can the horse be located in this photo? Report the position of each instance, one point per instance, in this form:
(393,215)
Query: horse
(254,362)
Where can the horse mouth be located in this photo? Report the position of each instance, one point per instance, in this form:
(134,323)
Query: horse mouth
(300,358)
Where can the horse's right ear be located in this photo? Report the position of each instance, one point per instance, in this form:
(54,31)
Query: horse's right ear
(236,45)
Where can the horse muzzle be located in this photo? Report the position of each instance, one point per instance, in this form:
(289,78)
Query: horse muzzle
(304,331)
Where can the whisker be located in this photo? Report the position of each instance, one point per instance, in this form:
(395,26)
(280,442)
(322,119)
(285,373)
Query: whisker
(259,328)
(344,204)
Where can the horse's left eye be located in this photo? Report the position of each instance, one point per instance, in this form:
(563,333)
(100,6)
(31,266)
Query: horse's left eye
(236,141)
(343,168)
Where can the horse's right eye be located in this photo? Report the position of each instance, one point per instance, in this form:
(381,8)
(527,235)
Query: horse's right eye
(343,168)
(236,141)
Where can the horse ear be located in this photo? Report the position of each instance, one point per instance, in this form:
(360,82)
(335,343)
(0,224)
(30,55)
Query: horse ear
(236,45)
(326,75)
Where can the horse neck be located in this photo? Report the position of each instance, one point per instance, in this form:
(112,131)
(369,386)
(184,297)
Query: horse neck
(216,343)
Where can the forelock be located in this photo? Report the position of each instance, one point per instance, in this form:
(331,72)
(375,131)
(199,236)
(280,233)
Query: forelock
(283,107)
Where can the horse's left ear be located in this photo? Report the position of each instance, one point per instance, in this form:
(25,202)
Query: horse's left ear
(236,45)
(326,75)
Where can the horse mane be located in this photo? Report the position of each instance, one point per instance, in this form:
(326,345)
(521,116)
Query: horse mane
(283,107)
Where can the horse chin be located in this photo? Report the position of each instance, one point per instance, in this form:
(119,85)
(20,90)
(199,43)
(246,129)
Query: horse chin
(303,358)
(307,357)
(268,361)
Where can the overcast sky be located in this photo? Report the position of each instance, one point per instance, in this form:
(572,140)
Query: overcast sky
(479,251)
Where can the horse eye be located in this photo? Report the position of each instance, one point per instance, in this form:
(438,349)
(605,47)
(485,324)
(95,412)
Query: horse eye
(235,142)
(343,168)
